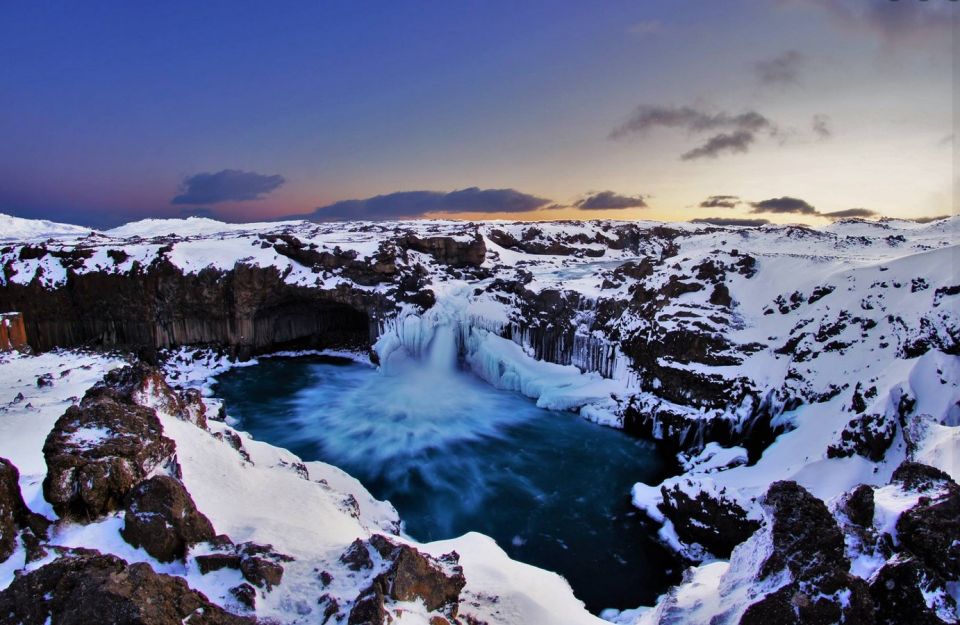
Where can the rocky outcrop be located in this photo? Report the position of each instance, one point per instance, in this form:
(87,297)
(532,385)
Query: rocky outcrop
(406,575)
(259,564)
(930,530)
(809,546)
(162,518)
(98,451)
(16,519)
(716,523)
(448,250)
(94,588)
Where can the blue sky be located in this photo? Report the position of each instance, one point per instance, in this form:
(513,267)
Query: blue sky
(110,110)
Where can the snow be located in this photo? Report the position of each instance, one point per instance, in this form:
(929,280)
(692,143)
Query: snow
(871,288)
(20,229)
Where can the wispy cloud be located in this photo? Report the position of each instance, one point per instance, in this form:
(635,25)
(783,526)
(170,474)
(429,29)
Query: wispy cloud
(644,28)
(228,185)
(850,212)
(738,130)
(413,204)
(893,23)
(610,200)
(782,69)
(822,126)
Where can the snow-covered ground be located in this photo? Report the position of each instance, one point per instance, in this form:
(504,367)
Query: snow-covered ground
(833,333)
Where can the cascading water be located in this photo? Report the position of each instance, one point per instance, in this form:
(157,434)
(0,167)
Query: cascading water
(434,432)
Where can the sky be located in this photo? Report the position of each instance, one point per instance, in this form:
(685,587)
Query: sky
(778,110)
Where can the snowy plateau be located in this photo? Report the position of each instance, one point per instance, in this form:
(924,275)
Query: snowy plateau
(806,382)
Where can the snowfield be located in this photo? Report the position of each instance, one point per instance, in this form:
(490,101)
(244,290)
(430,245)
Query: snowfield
(825,357)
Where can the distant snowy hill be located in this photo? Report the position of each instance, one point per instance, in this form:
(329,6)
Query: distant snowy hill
(20,229)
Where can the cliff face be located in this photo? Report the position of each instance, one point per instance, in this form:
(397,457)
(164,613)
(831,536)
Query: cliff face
(248,309)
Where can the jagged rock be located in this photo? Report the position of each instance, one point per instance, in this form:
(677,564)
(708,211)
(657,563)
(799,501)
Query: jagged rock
(809,544)
(356,557)
(208,563)
(77,590)
(246,595)
(931,529)
(98,451)
(898,590)
(448,250)
(868,435)
(16,518)
(45,380)
(859,506)
(162,518)
(410,576)
(146,385)
(716,523)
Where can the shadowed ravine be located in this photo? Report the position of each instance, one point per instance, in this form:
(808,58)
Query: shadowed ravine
(456,455)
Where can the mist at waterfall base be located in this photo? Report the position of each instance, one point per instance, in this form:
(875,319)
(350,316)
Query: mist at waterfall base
(454,454)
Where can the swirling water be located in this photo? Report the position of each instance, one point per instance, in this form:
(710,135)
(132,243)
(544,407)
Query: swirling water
(453,455)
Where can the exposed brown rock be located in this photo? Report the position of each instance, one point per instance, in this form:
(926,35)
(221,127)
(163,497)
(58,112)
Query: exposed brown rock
(162,518)
(16,518)
(80,590)
(98,451)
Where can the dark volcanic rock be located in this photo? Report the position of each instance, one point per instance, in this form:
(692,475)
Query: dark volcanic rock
(410,576)
(718,524)
(80,590)
(931,529)
(448,250)
(868,435)
(98,451)
(808,543)
(16,518)
(859,506)
(162,518)
(898,592)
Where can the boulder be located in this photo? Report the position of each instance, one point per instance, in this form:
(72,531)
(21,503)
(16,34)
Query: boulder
(409,576)
(899,590)
(16,518)
(930,530)
(162,518)
(98,451)
(94,588)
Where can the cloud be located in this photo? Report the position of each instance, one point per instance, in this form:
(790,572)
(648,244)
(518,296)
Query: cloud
(946,141)
(738,131)
(412,204)
(688,118)
(228,185)
(783,205)
(720,201)
(822,126)
(610,200)
(926,220)
(850,212)
(730,221)
(894,23)
(780,70)
(737,142)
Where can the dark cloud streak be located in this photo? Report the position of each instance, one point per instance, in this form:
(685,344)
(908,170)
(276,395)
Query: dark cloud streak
(228,185)
(783,205)
(783,69)
(721,201)
(730,221)
(610,200)
(413,204)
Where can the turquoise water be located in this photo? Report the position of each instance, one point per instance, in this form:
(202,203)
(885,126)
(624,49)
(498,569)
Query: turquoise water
(455,455)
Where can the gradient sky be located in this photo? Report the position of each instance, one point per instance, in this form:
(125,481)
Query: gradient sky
(111,110)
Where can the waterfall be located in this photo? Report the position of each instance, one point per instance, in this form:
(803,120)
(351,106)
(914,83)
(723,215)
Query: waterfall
(436,339)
